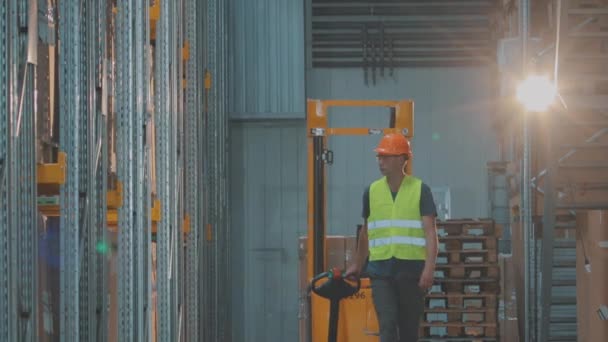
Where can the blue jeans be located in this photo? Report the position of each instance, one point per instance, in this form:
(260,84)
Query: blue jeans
(399,303)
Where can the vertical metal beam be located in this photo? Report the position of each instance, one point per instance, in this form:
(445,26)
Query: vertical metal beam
(201,29)
(174,169)
(132,219)
(28,230)
(5,95)
(558,33)
(24,137)
(147,187)
(223,302)
(87,189)
(149,327)
(192,174)
(176,44)
(99,269)
(119,100)
(210,293)
(140,186)
(163,120)
(549,203)
(19,227)
(11,168)
(216,249)
(70,64)
(526,198)
(94,189)
(547,239)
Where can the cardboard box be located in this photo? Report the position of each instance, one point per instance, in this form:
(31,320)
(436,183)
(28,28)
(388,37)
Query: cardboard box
(336,251)
(340,252)
(350,249)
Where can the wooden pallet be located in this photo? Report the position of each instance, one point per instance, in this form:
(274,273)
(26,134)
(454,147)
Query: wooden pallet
(457,339)
(599,24)
(461,301)
(481,315)
(468,243)
(573,67)
(587,46)
(468,228)
(460,329)
(469,271)
(586,4)
(467,257)
(468,286)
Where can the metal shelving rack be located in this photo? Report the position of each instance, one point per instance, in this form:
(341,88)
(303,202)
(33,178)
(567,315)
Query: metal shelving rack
(134,82)
(192,170)
(5,325)
(70,124)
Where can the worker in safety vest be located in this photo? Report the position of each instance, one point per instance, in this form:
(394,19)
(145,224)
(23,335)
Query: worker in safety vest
(399,237)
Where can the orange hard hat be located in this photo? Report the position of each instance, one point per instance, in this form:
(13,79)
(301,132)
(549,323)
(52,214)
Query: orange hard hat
(394,144)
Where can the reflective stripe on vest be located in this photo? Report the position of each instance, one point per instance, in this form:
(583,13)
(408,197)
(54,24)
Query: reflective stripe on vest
(397,240)
(395,226)
(394,223)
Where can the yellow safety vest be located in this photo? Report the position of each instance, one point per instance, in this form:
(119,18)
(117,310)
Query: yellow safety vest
(394,227)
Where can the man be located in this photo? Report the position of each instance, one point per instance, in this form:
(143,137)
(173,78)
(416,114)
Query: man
(399,237)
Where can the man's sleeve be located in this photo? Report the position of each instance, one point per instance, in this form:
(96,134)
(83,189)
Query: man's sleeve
(365,212)
(427,204)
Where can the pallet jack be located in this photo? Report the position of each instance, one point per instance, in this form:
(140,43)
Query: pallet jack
(350,315)
(335,288)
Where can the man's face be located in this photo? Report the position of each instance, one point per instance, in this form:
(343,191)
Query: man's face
(390,165)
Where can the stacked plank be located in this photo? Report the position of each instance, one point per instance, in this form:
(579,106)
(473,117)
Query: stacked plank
(463,302)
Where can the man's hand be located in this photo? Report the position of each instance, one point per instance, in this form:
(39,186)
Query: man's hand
(353,272)
(426,278)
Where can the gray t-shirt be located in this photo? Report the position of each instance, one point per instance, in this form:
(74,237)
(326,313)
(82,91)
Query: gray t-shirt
(392,267)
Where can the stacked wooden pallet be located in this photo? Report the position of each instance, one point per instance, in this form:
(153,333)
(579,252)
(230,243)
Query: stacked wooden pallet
(463,303)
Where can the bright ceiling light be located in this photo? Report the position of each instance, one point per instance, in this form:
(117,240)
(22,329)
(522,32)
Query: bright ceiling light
(536,93)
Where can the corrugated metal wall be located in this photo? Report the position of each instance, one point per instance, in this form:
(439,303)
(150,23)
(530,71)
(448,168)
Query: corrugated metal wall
(267,59)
